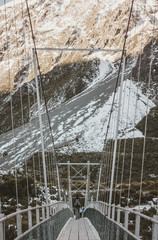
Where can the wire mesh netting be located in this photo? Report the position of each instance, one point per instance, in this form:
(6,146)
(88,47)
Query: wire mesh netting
(51,228)
(106,229)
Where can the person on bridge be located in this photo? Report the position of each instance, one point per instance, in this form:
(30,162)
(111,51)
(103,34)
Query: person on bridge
(82,211)
(77,205)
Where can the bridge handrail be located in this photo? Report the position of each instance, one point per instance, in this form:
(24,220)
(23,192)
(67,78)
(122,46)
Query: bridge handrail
(48,210)
(103,208)
(127,209)
(139,213)
(28,209)
(29,230)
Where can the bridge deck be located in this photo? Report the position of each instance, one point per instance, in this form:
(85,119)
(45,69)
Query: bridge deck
(80,229)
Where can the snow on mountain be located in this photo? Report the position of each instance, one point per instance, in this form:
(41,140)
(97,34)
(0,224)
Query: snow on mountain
(68,23)
(80,123)
(91,131)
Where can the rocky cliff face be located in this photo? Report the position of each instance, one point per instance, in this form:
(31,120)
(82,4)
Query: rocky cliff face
(81,84)
(68,23)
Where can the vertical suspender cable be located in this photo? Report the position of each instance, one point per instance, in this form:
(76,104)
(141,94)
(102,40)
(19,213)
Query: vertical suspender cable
(116,135)
(144,142)
(41,128)
(115,147)
(109,168)
(119,146)
(100,171)
(133,141)
(34,165)
(117,170)
(146,119)
(135,115)
(125,141)
(108,149)
(40,77)
(117,80)
(11,102)
(21,104)
(29,107)
(107,164)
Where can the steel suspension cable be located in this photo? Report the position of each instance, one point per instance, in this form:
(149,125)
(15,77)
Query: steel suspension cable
(134,122)
(108,149)
(119,146)
(118,77)
(31,121)
(113,142)
(107,163)
(11,101)
(21,104)
(146,118)
(111,149)
(125,141)
(117,126)
(40,76)
(34,122)
(145,135)
(133,139)
(119,71)
(45,102)
(117,169)
(34,165)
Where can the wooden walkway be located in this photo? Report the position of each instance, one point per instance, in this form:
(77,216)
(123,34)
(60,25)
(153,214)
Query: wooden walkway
(80,229)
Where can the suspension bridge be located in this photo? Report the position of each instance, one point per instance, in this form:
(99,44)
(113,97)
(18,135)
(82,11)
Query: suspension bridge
(106,188)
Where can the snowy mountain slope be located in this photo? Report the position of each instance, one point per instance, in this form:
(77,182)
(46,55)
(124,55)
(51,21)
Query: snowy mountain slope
(2,2)
(79,104)
(80,122)
(68,23)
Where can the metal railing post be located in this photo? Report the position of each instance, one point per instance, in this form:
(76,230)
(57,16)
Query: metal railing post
(1,227)
(100,171)
(59,190)
(18,223)
(98,207)
(137,225)
(113,212)
(43,213)
(50,211)
(88,181)
(86,194)
(103,209)
(69,183)
(53,210)
(118,214)
(126,218)
(155,229)
(109,211)
(37,215)
(106,209)
(47,211)
(29,218)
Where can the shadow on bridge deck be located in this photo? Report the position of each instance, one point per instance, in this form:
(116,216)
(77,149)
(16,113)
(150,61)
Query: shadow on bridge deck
(80,229)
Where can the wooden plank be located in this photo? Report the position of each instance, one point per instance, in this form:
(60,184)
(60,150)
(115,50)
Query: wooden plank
(91,231)
(74,231)
(82,230)
(65,232)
